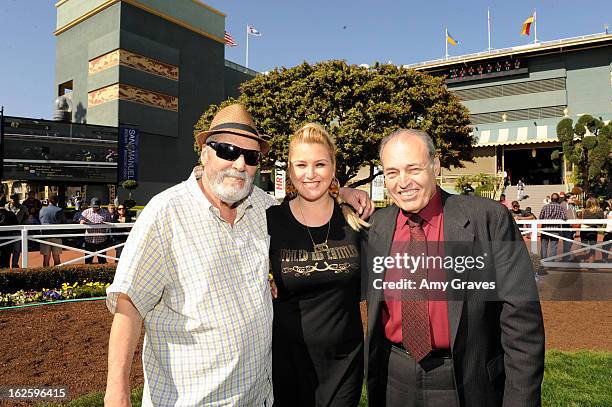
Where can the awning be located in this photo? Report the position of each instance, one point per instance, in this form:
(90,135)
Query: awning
(516,135)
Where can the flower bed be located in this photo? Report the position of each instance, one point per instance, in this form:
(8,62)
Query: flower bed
(66,292)
(36,279)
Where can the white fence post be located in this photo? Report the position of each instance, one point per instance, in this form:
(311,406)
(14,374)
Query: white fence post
(534,237)
(24,248)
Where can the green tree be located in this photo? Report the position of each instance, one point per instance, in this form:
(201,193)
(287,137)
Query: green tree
(130,185)
(589,151)
(358,106)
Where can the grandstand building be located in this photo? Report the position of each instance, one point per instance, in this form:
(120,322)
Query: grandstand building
(516,96)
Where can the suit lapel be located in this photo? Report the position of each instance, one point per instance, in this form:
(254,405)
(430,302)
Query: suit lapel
(380,239)
(456,231)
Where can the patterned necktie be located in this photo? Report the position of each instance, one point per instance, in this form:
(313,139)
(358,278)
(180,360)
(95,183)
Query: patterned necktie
(416,334)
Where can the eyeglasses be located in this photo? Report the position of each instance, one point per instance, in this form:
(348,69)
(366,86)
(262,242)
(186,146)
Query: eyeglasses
(119,209)
(231,152)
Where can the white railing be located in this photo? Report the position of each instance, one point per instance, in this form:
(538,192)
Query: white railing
(538,228)
(38,233)
(533,229)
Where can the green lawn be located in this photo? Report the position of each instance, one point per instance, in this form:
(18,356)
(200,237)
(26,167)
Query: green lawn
(571,379)
(577,379)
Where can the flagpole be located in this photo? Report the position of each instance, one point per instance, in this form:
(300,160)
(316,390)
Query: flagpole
(535,27)
(247,46)
(2,142)
(446,42)
(489,26)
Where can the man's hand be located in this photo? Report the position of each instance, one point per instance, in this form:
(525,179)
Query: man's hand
(273,288)
(359,200)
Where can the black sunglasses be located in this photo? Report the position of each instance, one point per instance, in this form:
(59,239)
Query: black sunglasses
(231,152)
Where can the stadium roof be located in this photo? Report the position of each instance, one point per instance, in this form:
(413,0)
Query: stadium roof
(585,41)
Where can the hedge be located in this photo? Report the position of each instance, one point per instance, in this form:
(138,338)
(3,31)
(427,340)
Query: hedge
(52,277)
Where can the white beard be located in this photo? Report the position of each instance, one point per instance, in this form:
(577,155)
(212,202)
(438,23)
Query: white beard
(229,195)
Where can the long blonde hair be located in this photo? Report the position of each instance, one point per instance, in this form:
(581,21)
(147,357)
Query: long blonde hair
(592,205)
(313,133)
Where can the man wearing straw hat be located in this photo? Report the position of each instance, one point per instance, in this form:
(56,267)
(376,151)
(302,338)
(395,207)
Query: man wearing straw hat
(194,269)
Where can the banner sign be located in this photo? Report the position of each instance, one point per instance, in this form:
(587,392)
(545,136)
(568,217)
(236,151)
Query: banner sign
(128,154)
(279,183)
(378,186)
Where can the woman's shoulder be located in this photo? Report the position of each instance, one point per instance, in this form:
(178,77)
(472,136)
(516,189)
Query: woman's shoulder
(278,215)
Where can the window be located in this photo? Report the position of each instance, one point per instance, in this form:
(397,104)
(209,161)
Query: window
(64,88)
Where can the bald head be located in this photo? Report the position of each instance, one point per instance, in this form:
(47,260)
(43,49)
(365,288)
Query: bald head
(408,133)
(410,167)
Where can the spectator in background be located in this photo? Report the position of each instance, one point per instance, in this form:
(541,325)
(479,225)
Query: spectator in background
(528,214)
(76,218)
(112,211)
(520,190)
(608,234)
(123,216)
(592,210)
(32,219)
(32,203)
(546,200)
(517,212)
(553,210)
(569,206)
(7,218)
(95,216)
(21,213)
(503,201)
(112,239)
(51,215)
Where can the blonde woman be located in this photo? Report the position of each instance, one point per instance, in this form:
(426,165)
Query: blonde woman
(314,251)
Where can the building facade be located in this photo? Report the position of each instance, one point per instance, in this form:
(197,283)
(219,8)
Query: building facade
(152,64)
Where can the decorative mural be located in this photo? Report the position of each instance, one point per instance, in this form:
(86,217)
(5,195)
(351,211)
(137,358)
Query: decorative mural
(135,61)
(120,91)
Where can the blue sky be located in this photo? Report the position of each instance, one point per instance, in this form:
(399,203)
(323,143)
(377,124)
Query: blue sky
(358,31)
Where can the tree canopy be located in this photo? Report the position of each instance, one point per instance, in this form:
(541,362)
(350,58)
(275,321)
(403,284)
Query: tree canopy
(358,106)
(588,146)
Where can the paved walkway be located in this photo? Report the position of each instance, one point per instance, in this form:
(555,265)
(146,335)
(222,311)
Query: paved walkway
(575,285)
(35,259)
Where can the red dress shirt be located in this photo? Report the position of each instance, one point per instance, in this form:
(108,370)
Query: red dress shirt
(433,226)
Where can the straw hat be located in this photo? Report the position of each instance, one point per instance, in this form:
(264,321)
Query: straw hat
(234,119)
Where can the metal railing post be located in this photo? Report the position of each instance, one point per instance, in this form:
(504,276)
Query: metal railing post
(24,248)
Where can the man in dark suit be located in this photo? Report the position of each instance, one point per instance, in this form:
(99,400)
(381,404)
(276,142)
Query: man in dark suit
(462,347)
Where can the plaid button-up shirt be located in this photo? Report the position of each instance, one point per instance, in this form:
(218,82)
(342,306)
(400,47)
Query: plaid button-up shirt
(96,218)
(553,210)
(201,287)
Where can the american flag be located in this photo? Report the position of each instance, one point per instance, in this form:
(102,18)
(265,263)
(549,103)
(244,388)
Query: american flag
(229,40)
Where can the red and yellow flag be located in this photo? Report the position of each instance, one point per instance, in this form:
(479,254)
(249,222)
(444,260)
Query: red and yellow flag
(527,26)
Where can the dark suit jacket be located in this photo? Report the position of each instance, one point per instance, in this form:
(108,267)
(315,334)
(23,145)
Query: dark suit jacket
(497,346)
